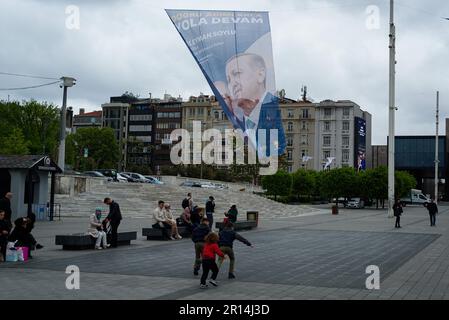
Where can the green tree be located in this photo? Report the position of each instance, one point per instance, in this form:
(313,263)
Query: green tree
(404,181)
(338,183)
(103,150)
(278,184)
(14,143)
(303,183)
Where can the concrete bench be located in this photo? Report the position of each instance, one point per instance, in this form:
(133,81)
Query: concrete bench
(80,241)
(239,225)
(157,234)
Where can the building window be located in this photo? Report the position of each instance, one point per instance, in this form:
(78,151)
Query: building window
(168,125)
(192,112)
(291,113)
(345,141)
(290,126)
(144,138)
(345,155)
(290,169)
(304,125)
(326,154)
(290,141)
(169,114)
(327,112)
(346,112)
(326,141)
(327,126)
(217,115)
(305,113)
(140,117)
(304,140)
(134,128)
(303,153)
(289,155)
(200,111)
(345,125)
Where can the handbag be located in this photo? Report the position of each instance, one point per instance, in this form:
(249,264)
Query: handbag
(22,253)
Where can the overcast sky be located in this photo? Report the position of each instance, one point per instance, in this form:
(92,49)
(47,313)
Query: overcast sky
(131,45)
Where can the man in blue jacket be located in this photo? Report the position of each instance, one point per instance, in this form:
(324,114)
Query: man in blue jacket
(227,237)
(198,235)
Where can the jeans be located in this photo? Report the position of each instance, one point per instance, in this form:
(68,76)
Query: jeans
(398,222)
(210,217)
(114,229)
(209,265)
(198,252)
(230,253)
(432,218)
(101,239)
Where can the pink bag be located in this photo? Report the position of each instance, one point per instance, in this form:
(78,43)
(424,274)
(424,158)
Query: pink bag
(25,251)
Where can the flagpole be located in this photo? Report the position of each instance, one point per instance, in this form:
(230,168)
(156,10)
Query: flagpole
(392,109)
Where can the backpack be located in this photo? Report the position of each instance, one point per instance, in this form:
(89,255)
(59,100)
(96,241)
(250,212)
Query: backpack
(185,203)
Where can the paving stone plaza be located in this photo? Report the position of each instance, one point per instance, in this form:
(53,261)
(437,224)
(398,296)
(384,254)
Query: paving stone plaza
(300,252)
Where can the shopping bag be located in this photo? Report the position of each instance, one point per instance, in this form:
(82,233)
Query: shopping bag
(22,253)
(11,255)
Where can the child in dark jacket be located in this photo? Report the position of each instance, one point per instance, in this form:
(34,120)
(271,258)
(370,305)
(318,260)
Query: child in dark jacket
(198,235)
(227,237)
(209,252)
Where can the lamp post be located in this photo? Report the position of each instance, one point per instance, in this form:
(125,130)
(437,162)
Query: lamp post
(392,109)
(66,83)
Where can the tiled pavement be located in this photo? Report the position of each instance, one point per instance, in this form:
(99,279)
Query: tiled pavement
(310,257)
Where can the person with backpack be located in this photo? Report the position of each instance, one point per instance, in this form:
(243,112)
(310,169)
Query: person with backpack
(210,250)
(232,213)
(397,209)
(198,235)
(210,209)
(227,237)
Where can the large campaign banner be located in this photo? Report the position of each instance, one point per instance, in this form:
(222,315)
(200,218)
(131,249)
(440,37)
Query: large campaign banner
(360,143)
(233,50)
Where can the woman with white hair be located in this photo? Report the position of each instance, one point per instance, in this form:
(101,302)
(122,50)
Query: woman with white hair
(96,230)
(172,222)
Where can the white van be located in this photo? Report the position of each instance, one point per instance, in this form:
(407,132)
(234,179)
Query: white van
(415,197)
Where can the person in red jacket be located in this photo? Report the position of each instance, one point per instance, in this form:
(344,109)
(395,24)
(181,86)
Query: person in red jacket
(210,250)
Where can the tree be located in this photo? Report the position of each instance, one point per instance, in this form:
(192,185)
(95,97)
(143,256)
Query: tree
(338,183)
(278,184)
(374,184)
(303,183)
(14,143)
(101,145)
(404,181)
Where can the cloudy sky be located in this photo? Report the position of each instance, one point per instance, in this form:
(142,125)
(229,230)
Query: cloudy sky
(131,45)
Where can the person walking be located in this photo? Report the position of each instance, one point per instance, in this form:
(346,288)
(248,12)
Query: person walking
(114,218)
(210,250)
(397,209)
(210,209)
(227,237)
(96,230)
(198,235)
(433,210)
(5,205)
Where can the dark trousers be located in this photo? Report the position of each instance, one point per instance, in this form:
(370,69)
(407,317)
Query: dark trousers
(210,217)
(166,229)
(432,218)
(209,264)
(3,243)
(114,236)
(398,222)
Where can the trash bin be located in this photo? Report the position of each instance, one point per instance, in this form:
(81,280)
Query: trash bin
(253,216)
(334,209)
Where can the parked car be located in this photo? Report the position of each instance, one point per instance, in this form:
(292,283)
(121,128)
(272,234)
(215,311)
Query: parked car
(154,180)
(111,173)
(96,174)
(130,179)
(189,183)
(137,176)
(355,203)
(121,178)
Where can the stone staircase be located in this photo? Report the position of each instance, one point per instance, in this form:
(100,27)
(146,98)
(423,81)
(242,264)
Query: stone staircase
(138,200)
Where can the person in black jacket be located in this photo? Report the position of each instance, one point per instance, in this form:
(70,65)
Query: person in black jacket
(198,235)
(114,218)
(433,210)
(227,237)
(5,229)
(210,209)
(5,205)
(21,235)
(397,210)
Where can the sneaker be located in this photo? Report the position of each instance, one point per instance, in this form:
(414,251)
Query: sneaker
(231,275)
(203,286)
(178,237)
(99,248)
(214,283)
(39,246)
(172,238)
(108,245)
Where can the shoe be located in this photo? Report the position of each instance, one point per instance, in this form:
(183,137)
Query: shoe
(98,248)
(172,238)
(231,275)
(39,246)
(178,237)
(214,283)
(108,245)
(204,286)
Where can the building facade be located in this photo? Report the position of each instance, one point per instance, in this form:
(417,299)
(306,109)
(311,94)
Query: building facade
(379,156)
(87,120)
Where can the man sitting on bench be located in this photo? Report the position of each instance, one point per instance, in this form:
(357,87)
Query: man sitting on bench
(160,220)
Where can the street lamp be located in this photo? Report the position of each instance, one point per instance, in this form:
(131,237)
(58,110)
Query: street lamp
(66,83)
(203,124)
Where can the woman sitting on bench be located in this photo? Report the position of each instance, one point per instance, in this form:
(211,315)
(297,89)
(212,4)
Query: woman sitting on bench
(96,230)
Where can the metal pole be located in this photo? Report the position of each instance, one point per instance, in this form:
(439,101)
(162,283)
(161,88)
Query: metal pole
(436,147)
(61,157)
(392,109)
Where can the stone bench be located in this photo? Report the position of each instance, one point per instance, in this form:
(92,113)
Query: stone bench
(157,234)
(239,225)
(80,241)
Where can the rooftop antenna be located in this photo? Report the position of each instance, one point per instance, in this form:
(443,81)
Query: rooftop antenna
(304,93)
